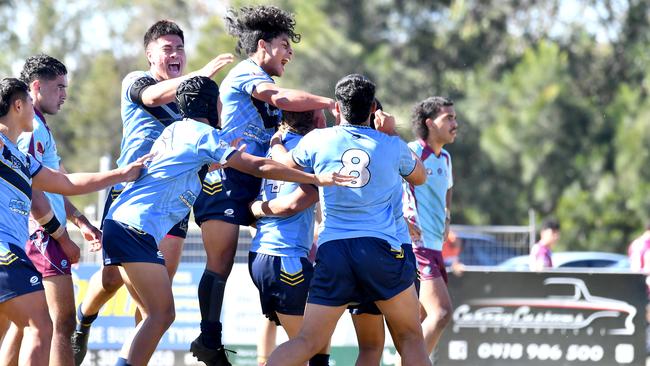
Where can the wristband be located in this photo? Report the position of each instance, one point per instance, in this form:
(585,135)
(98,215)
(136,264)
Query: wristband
(51,225)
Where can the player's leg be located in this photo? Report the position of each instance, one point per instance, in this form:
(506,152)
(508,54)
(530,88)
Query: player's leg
(172,248)
(30,310)
(103,285)
(435,300)
(149,283)
(370,336)
(434,296)
(266,341)
(317,328)
(220,241)
(59,293)
(401,312)
(10,350)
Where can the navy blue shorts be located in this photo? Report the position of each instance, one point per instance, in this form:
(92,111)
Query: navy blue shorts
(228,199)
(283,283)
(18,276)
(358,271)
(370,307)
(125,244)
(179,230)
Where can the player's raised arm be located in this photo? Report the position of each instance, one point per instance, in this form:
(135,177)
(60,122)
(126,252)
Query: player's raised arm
(299,200)
(291,99)
(80,183)
(267,168)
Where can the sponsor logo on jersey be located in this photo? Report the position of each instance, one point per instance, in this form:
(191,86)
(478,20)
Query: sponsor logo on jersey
(64,263)
(34,280)
(229,212)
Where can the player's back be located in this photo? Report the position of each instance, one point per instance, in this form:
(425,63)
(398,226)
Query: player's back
(364,208)
(290,236)
(167,188)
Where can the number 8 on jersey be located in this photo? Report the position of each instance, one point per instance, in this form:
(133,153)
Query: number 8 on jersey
(355,163)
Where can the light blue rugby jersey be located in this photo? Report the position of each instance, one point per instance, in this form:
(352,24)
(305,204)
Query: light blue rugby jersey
(364,208)
(431,197)
(16,171)
(168,187)
(402,230)
(41,145)
(244,116)
(290,236)
(141,125)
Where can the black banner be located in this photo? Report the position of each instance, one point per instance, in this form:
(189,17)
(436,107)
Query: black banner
(545,318)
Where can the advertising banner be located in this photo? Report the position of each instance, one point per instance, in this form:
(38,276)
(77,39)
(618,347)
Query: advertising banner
(545,318)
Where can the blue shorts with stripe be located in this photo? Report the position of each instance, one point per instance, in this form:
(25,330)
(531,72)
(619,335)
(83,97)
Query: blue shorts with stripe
(122,243)
(228,199)
(283,283)
(370,307)
(358,271)
(18,276)
(179,230)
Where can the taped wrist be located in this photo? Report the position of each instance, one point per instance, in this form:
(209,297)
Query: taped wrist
(51,225)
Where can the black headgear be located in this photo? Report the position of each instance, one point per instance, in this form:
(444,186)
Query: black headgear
(197,97)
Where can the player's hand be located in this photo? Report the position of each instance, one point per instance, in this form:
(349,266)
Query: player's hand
(276,139)
(132,171)
(216,64)
(385,122)
(333,178)
(69,247)
(92,235)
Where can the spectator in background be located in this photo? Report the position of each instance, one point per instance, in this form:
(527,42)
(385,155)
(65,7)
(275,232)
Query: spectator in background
(451,249)
(540,253)
(639,253)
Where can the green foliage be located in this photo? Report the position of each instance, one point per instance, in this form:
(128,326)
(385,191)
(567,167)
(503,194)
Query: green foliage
(554,111)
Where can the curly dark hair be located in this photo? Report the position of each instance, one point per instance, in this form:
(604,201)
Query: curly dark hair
(298,122)
(42,67)
(355,94)
(10,90)
(162,28)
(428,108)
(250,24)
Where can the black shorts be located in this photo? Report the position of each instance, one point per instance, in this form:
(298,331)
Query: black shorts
(225,196)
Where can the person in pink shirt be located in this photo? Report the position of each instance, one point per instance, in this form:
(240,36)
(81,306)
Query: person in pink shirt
(540,253)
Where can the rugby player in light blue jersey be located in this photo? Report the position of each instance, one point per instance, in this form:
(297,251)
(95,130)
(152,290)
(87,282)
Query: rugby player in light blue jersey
(49,247)
(367,318)
(434,123)
(144,212)
(22,299)
(360,258)
(147,107)
(251,110)
(278,259)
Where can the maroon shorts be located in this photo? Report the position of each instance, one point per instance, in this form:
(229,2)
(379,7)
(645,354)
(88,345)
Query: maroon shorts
(430,264)
(47,255)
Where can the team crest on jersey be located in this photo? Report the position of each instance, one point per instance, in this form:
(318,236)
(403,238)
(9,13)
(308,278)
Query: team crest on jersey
(440,171)
(15,162)
(20,207)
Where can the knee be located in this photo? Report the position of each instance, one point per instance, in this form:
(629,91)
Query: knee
(111,280)
(43,328)
(439,318)
(164,316)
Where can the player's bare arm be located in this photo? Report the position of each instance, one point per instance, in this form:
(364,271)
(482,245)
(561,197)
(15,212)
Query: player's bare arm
(291,99)
(164,91)
(80,183)
(419,175)
(267,168)
(299,200)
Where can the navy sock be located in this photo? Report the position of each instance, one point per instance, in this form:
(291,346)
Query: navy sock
(320,359)
(121,362)
(211,289)
(84,321)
